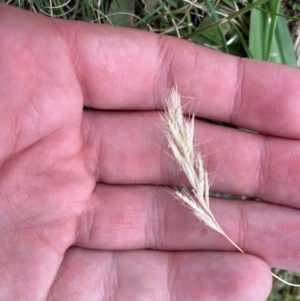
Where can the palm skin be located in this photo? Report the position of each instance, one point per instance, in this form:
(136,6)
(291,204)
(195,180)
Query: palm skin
(84,212)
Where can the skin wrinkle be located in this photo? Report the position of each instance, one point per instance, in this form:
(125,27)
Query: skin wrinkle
(70,39)
(62,285)
(195,57)
(278,253)
(148,228)
(87,135)
(171,278)
(243,227)
(158,226)
(269,163)
(289,171)
(83,148)
(279,87)
(62,282)
(238,94)
(277,104)
(59,284)
(265,162)
(13,147)
(15,157)
(112,279)
(101,156)
(258,167)
(16,132)
(90,219)
(163,223)
(294,190)
(165,81)
(284,174)
(96,204)
(84,223)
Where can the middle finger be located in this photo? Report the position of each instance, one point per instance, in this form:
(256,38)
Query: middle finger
(131,148)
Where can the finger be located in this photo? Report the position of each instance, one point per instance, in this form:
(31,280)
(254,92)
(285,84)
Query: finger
(238,162)
(129,69)
(149,275)
(143,217)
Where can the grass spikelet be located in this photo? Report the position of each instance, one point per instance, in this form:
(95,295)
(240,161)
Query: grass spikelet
(180,136)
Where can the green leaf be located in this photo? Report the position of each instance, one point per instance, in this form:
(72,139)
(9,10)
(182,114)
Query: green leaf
(282,49)
(258,34)
(212,36)
(269,36)
(230,3)
(226,19)
(242,40)
(121,12)
(150,5)
(215,18)
(173,3)
(274,18)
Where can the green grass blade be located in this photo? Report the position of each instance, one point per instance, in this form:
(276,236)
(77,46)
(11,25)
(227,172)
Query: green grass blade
(148,18)
(258,33)
(271,40)
(282,49)
(216,19)
(243,42)
(121,12)
(280,14)
(274,18)
(226,19)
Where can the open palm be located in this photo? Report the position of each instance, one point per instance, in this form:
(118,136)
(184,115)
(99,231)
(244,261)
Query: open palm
(84,209)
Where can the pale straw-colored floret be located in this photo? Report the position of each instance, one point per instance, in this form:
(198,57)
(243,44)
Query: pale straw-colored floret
(180,136)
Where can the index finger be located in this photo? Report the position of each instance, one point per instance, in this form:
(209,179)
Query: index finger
(134,70)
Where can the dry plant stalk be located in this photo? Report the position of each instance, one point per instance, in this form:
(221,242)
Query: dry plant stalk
(180,137)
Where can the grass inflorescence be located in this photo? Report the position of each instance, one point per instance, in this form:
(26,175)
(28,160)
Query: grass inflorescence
(180,137)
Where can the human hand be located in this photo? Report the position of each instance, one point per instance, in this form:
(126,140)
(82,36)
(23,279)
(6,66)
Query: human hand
(84,211)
